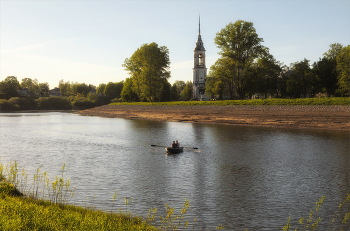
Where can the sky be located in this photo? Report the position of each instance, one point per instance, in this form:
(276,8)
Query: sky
(88,41)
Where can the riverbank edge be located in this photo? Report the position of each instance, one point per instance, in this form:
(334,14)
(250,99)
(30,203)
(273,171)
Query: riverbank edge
(329,117)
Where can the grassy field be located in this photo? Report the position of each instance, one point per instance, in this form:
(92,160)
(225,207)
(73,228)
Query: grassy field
(276,101)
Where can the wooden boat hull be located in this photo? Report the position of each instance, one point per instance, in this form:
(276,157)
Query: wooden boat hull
(174,150)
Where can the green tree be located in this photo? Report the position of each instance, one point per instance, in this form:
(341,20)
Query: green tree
(100,89)
(240,46)
(301,81)
(343,68)
(165,94)
(44,89)
(186,94)
(32,85)
(147,67)
(128,94)
(333,51)
(64,87)
(174,93)
(83,89)
(268,72)
(325,72)
(221,79)
(9,87)
(113,90)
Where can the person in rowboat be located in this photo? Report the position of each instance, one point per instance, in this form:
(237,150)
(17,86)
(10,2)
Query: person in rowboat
(177,144)
(173,145)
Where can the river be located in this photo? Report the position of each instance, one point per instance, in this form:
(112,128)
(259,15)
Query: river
(240,177)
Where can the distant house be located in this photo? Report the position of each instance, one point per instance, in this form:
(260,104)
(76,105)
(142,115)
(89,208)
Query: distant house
(23,91)
(54,92)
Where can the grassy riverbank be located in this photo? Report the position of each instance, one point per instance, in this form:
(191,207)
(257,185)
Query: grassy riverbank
(276,101)
(44,206)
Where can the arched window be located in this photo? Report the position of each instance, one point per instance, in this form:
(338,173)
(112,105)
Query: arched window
(201,59)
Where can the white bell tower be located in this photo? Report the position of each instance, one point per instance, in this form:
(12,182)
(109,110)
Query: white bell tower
(199,69)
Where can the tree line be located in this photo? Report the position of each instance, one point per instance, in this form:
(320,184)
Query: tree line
(245,68)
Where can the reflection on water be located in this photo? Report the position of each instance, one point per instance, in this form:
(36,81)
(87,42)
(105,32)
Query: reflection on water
(240,177)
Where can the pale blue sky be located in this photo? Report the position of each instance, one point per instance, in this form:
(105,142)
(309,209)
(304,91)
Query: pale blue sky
(88,41)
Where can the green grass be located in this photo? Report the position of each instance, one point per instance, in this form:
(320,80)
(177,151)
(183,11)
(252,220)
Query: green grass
(19,213)
(275,101)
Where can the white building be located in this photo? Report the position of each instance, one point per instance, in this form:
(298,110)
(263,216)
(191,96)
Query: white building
(199,69)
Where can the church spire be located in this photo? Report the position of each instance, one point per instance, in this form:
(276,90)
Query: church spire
(199,32)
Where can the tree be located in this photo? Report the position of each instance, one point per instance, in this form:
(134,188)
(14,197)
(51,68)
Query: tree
(128,94)
(114,90)
(174,93)
(343,68)
(9,87)
(186,94)
(221,79)
(83,89)
(333,51)
(44,89)
(301,80)
(32,85)
(268,72)
(100,89)
(240,46)
(147,67)
(325,72)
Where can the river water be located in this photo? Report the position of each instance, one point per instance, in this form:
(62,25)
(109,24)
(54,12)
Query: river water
(239,177)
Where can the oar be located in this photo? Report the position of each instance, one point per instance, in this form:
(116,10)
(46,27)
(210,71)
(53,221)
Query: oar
(153,145)
(191,147)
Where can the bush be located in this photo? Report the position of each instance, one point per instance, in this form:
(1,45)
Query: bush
(117,100)
(5,105)
(53,103)
(83,103)
(23,103)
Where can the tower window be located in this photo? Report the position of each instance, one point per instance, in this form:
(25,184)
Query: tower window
(201,59)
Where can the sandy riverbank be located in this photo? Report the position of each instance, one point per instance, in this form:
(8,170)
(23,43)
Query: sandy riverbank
(317,117)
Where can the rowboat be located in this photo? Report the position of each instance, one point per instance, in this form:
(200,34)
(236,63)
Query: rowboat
(174,150)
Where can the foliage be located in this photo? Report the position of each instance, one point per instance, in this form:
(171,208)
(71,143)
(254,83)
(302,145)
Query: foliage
(128,94)
(333,51)
(6,105)
(221,79)
(32,85)
(113,90)
(23,103)
(83,89)
(100,89)
(301,81)
(9,87)
(53,103)
(44,89)
(186,94)
(83,103)
(240,46)
(147,67)
(325,72)
(343,67)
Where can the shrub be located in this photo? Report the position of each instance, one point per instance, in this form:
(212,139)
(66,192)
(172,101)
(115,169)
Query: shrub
(53,103)
(23,103)
(83,103)
(6,105)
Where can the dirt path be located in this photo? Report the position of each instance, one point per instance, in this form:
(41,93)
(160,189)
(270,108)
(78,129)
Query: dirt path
(319,117)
